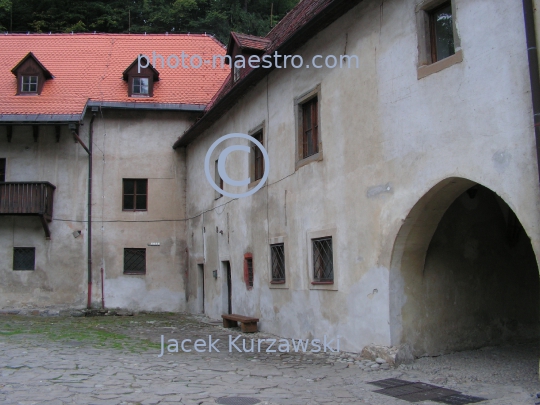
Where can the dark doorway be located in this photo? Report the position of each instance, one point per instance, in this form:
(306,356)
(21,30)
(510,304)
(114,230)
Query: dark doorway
(227,269)
(200,287)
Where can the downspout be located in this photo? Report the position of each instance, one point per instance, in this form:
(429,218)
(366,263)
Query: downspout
(90,142)
(534,71)
(89,217)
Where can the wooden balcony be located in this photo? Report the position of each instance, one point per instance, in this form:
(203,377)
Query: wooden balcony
(28,198)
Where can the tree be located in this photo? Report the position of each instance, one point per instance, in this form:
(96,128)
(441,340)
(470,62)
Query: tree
(217,17)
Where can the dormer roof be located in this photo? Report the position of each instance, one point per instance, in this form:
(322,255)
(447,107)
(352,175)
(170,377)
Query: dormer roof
(125,74)
(30,55)
(247,43)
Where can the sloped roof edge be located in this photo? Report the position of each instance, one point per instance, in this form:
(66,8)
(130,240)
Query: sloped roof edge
(322,19)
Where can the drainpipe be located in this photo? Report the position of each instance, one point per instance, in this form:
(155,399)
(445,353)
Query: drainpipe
(90,141)
(89,217)
(534,71)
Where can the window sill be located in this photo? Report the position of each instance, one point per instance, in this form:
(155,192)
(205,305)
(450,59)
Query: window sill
(253,184)
(322,282)
(134,210)
(317,157)
(134,274)
(277,282)
(426,70)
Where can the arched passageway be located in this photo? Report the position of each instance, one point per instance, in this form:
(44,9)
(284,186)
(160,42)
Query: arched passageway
(463,273)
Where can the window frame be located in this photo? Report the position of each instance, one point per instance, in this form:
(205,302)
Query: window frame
(248,259)
(278,240)
(134,273)
(299,103)
(33,249)
(140,94)
(317,235)
(259,129)
(220,183)
(426,65)
(36,84)
(135,209)
(432,32)
(276,280)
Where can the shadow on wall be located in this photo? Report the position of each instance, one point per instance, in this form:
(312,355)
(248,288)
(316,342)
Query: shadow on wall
(467,280)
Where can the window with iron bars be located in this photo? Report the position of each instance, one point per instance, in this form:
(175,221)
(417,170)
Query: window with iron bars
(248,270)
(24,258)
(134,261)
(323,261)
(277,254)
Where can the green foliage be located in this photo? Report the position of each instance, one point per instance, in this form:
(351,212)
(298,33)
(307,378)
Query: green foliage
(217,17)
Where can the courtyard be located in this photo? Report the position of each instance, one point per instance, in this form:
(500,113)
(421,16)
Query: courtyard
(115,360)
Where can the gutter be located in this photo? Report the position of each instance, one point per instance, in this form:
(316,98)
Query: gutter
(133,105)
(534,72)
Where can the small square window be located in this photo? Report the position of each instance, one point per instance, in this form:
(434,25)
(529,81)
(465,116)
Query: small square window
(2,170)
(277,254)
(134,261)
(24,258)
(140,85)
(258,158)
(441,32)
(135,194)
(218,180)
(310,128)
(323,261)
(29,84)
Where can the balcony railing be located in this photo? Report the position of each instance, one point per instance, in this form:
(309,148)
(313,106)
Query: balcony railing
(28,198)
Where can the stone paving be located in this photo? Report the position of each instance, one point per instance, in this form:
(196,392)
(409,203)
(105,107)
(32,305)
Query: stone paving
(114,360)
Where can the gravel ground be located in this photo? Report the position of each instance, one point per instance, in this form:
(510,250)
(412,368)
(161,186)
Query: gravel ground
(114,360)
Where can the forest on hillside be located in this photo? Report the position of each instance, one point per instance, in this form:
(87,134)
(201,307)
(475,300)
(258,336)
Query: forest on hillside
(217,17)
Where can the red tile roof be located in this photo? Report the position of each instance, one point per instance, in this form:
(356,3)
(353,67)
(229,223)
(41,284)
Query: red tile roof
(89,67)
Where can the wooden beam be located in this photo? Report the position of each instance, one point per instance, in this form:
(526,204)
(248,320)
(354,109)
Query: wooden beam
(57,128)
(45,227)
(9,132)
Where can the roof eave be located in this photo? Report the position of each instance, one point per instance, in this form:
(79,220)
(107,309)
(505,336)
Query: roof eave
(319,22)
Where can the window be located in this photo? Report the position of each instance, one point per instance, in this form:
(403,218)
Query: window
(218,180)
(258,158)
(140,86)
(2,170)
(323,262)
(24,258)
(236,73)
(248,270)
(441,32)
(135,194)
(134,261)
(29,84)
(439,46)
(310,128)
(277,254)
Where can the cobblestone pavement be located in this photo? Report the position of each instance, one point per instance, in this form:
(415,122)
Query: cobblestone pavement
(114,360)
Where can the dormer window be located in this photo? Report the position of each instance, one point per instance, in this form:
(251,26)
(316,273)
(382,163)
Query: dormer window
(31,75)
(140,77)
(140,86)
(29,84)
(241,47)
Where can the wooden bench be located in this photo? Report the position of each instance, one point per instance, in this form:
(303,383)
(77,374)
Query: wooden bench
(248,324)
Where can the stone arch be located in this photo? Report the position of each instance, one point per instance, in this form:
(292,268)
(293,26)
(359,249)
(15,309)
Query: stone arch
(429,315)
